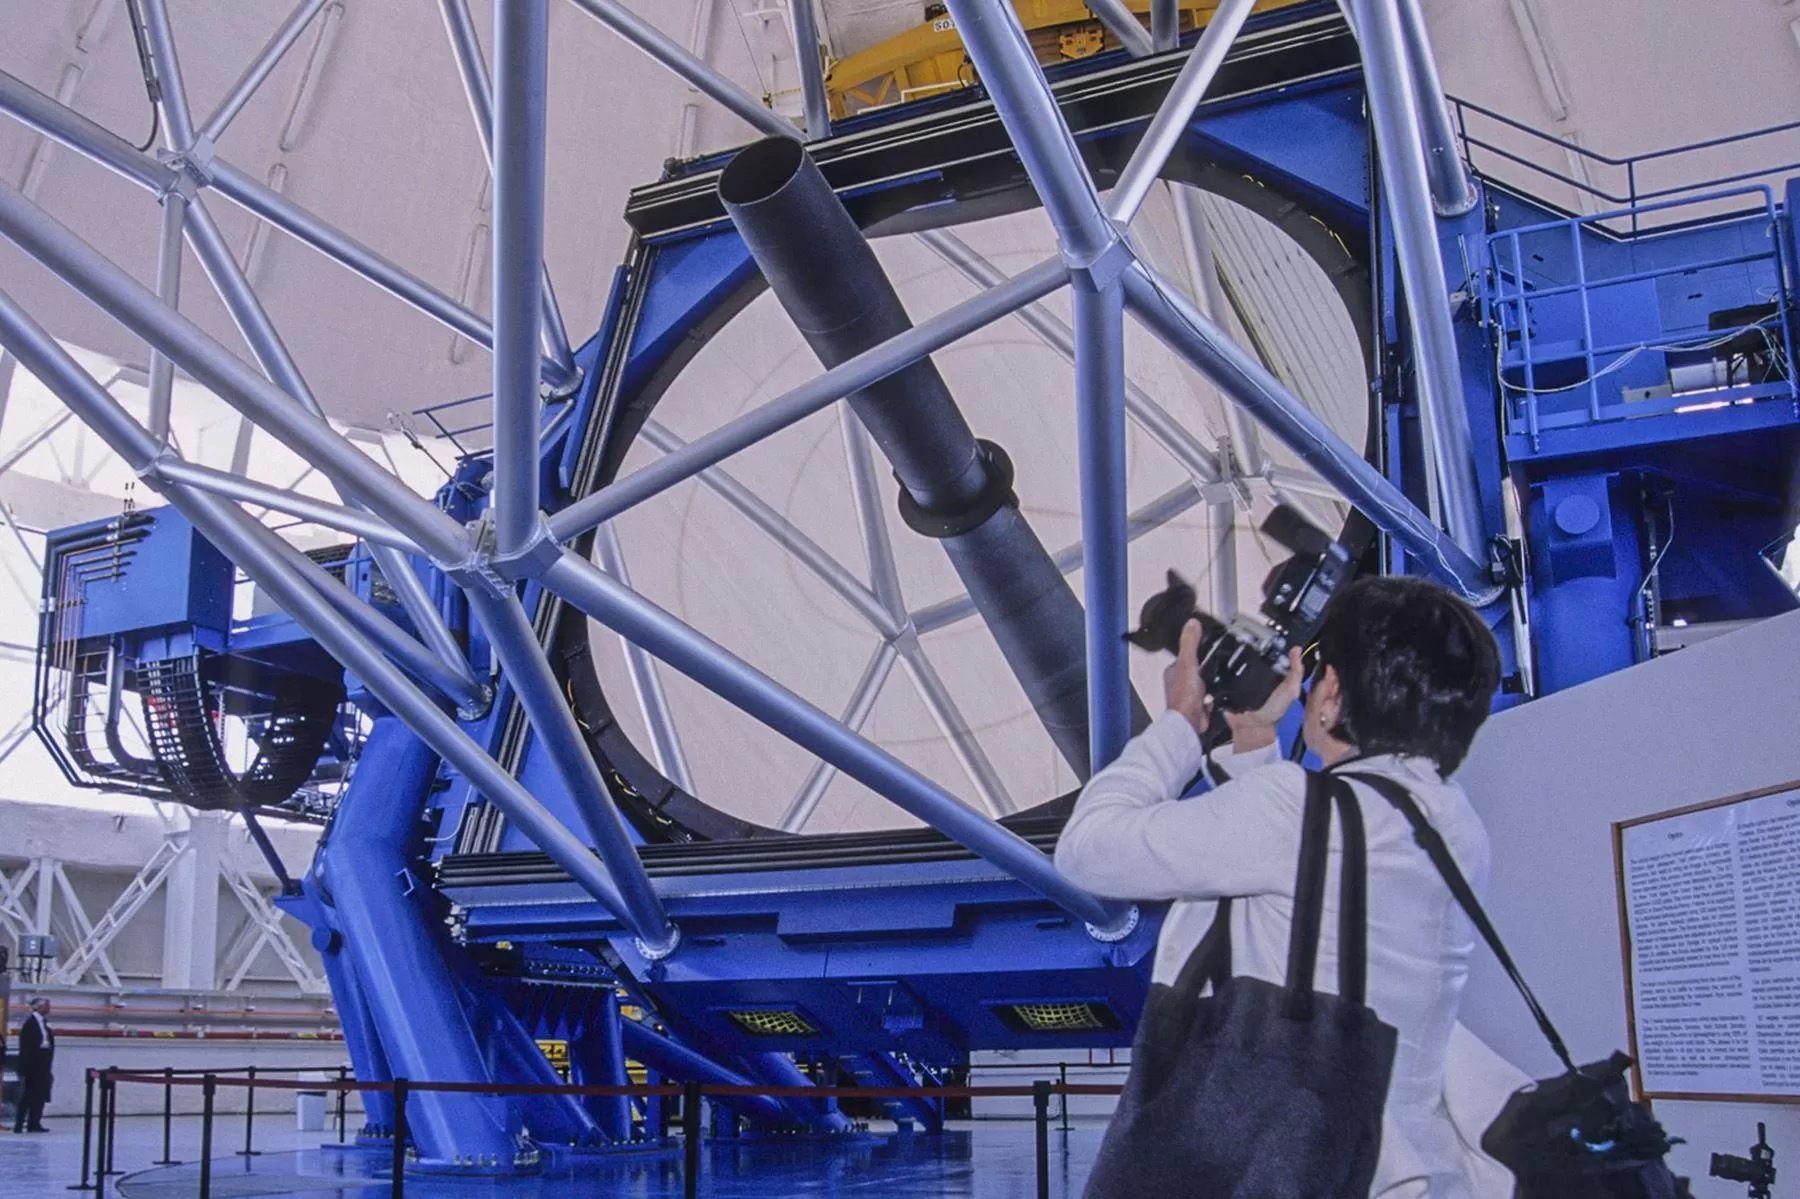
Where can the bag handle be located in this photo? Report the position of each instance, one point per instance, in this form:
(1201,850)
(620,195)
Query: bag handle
(1210,961)
(1309,897)
(1432,843)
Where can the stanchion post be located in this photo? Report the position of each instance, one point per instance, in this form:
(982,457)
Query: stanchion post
(1062,1076)
(109,1127)
(343,1103)
(209,1086)
(1040,1102)
(168,1115)
(106,1093)
(690,1133)
(87,1135)
(400,1088)
(249,1114)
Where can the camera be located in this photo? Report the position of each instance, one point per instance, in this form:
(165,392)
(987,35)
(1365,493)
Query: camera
(1242,662)
(1758,1170)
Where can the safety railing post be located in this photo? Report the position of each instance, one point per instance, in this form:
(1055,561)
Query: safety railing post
(1040,1102)
(168,1116)
(690,1133)
(343,1101)
(209,1086)
(1062,1077)
(249,1114)
(400,1088)
(109,1126)
(87,1136)
(100,1149)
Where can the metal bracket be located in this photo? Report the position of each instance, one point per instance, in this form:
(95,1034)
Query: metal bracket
(1103,269)
(657,953)
(193,168)
(1117,933)
(533,559)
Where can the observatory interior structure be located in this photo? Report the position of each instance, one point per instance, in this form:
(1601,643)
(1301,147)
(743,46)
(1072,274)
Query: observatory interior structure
(572,560)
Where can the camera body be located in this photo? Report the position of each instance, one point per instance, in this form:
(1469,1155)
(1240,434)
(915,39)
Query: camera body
(1757,1170)
(1242,662)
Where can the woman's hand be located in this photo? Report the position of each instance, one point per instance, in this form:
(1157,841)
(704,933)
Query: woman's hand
(1256,730)
(1182,687)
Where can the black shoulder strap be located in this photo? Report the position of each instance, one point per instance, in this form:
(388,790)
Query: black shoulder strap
(1309,897)
(1432,843)
(1210,962)
(1353,896)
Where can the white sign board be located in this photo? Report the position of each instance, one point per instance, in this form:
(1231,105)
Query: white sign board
(1710,897)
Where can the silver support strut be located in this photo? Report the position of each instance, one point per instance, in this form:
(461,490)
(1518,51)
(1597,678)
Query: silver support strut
(667,51)
(1177,109)
(1443,408)
(1452,189)
(259,69)
(226,527)
(522,63)
(812,71)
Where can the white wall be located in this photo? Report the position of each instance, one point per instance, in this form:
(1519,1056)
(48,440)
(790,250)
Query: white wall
(1551,778)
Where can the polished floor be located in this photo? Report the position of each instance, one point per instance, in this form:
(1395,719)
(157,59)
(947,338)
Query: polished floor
(983,1160)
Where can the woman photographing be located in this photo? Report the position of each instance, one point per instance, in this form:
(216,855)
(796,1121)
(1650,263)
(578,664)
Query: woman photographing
(1406,675)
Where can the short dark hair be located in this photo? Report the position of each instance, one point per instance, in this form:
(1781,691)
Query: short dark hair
(1417,668)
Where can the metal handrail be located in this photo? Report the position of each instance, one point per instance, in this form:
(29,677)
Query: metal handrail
(1510,294)
(1633,201)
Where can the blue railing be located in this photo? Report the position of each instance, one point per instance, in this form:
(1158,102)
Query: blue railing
(1590,330)
(478,410)
(1636,200)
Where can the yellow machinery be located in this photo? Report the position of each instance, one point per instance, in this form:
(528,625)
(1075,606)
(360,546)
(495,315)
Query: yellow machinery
(929,59)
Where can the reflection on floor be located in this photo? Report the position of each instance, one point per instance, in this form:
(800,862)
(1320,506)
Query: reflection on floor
(985,1160)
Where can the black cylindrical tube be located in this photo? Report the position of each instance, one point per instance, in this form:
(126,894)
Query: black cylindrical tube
(109,1127)
(249,1114)
(343,1102)
(100,1151)
(690,1134)
(87,1136)
(209,1087)
(1040,1102)
(400,1088)
(168,1115)
(956,489)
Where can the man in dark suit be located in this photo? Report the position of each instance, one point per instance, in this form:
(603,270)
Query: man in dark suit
(37,1051)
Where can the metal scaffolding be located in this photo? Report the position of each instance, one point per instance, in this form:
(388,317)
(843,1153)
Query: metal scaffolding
(515,543)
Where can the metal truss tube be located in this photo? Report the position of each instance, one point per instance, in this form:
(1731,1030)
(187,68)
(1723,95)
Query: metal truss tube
(646,683)
(865,491)
(853,375)
(339,246)
(225,526)
(812,71)
(1123,24)
(954,726)
(1152,417)
(178,124)
(69,128)
(320,512)
(1172,318)
(1165,25)
(738,683)
(668,52)
(832,287)
(1100,431)
(856,714)
(1008,69)
(272,355)
(1443,409)
(671,1058)
(1177,109)
(1452,190)
(168,289)
(127,301)
(480,93)
(783,532)
(259,69)
(522,64)
(522,659)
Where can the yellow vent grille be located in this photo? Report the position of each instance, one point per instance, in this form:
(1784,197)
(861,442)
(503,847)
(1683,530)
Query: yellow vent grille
(781,1022)
(1057,1017)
